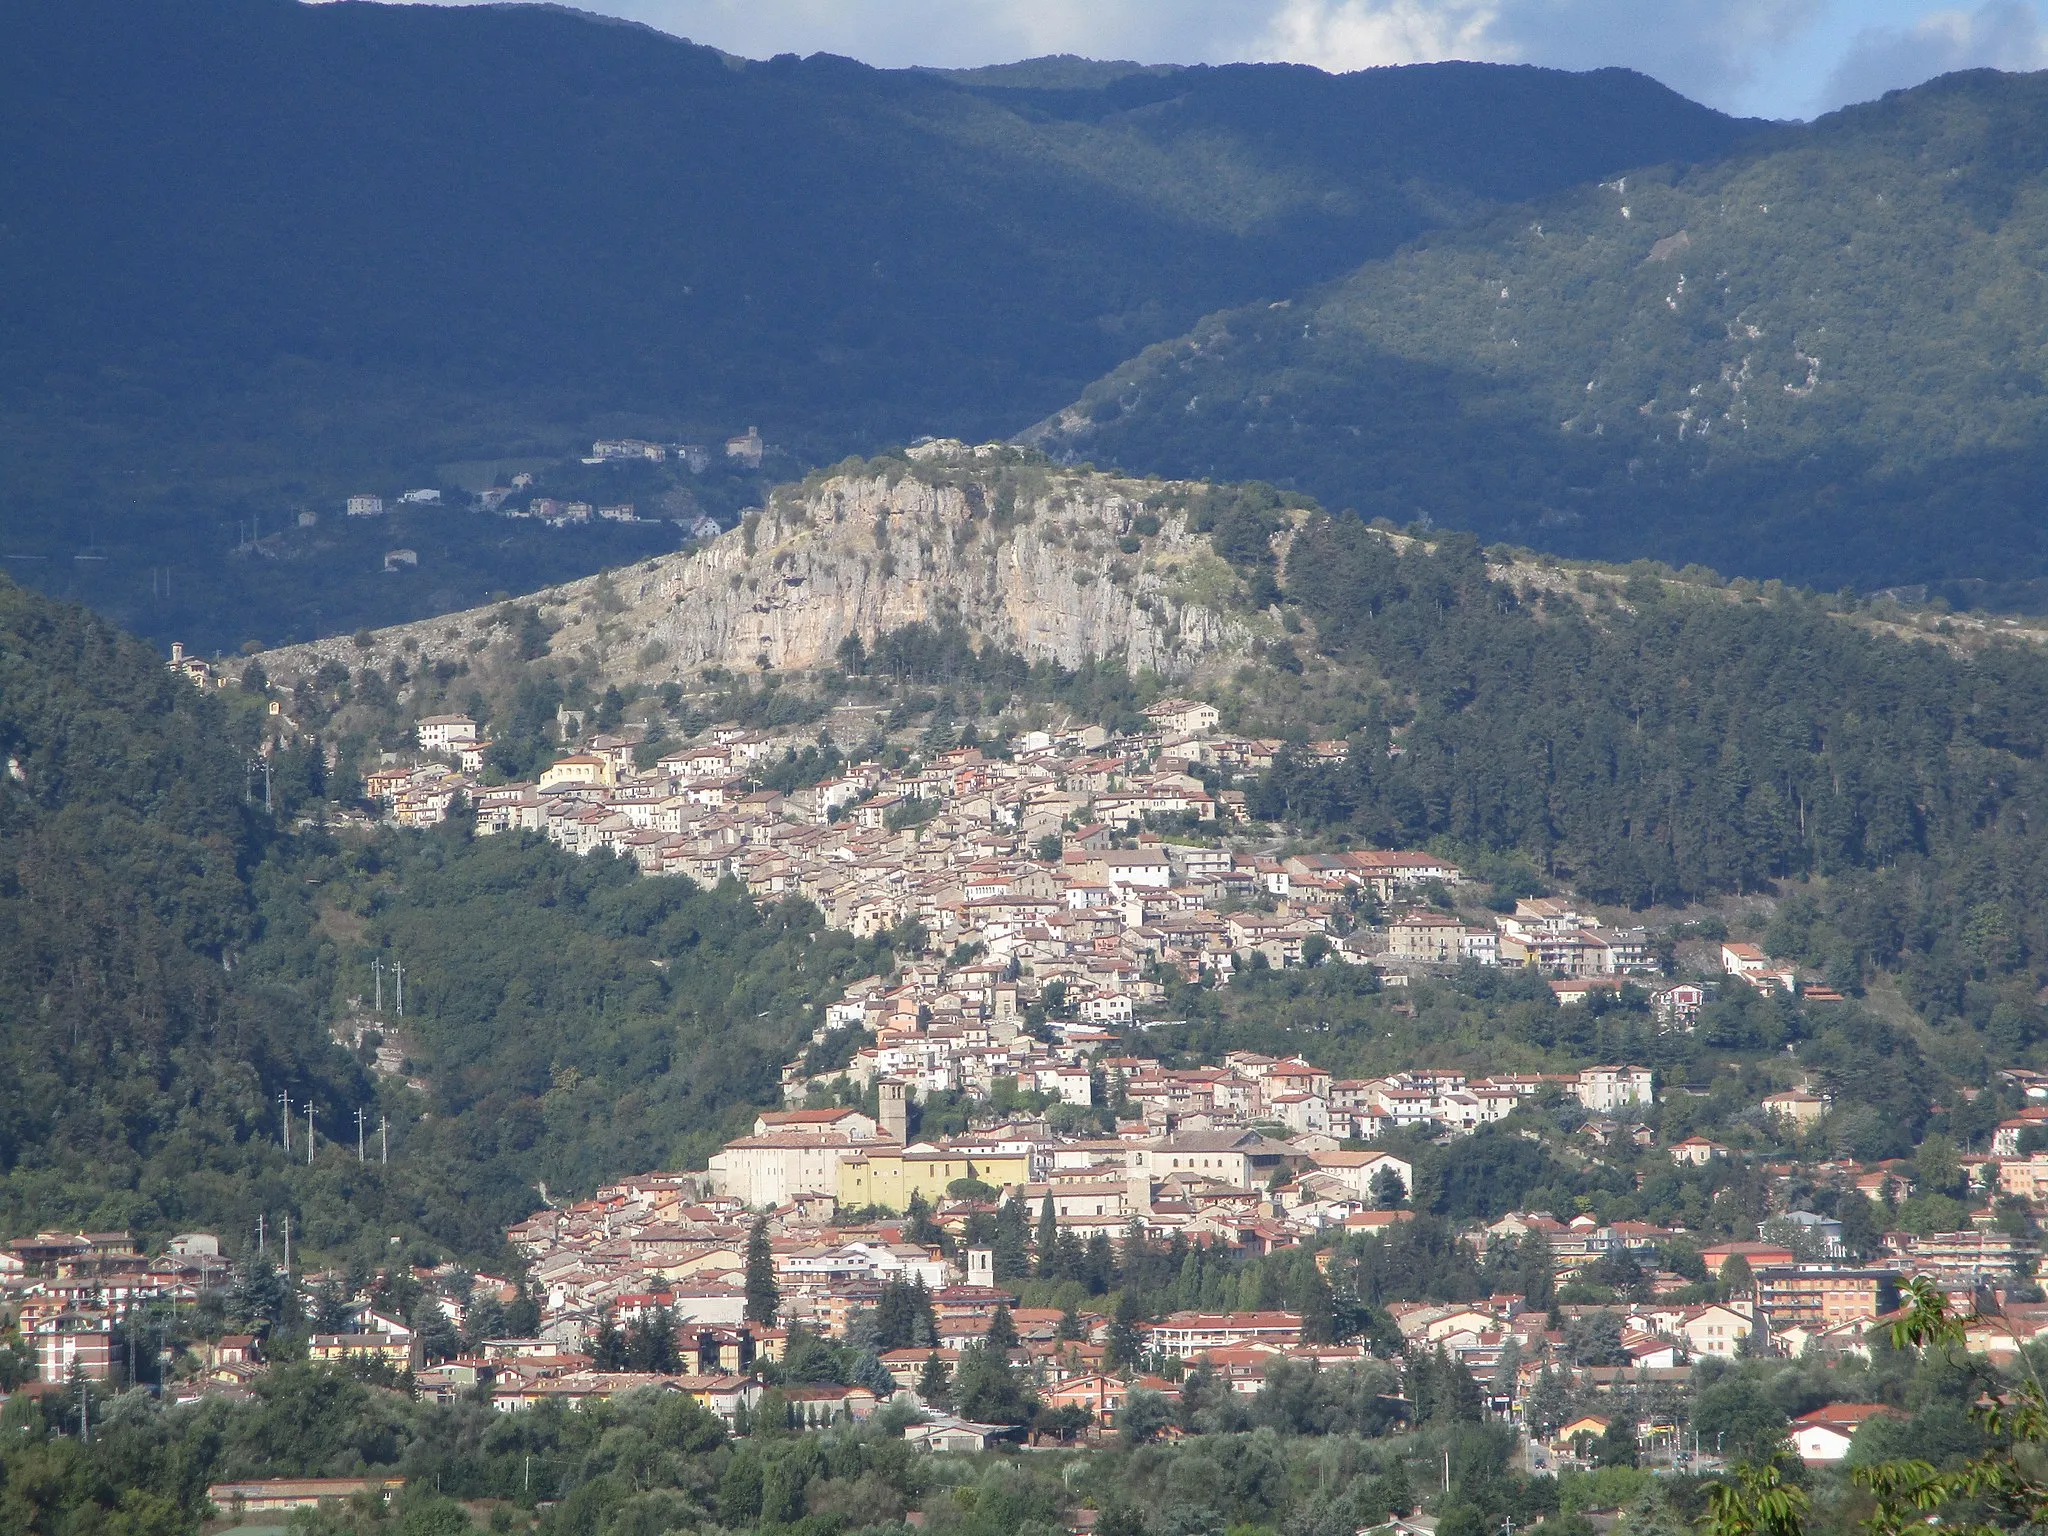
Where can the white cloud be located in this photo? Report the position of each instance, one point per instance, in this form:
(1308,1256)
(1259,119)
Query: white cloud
(1708,49)
(1359,34)
(2000,34)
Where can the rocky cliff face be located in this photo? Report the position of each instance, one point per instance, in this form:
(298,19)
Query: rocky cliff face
(1058,565)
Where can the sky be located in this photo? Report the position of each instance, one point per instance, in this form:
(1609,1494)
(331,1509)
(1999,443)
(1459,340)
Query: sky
(1768,58)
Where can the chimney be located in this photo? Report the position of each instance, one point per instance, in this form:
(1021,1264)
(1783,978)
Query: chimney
(894,1094)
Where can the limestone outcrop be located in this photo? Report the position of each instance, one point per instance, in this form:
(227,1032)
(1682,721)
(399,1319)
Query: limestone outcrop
(1058,565)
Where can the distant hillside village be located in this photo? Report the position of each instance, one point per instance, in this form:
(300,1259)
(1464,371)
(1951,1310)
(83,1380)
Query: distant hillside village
(743,452)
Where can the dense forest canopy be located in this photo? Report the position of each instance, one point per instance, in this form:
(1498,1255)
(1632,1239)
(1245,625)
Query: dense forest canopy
(1674,740)
(1817,358)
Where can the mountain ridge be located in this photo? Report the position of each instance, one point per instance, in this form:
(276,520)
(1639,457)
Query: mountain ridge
(1820,356)
(285,253)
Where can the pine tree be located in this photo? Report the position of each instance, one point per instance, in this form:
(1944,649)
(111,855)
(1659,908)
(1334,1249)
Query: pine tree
(260,1295)
(1388,1191)
(934,1383)
(1069,1258)
(895,1317)
(1507,1369)
(1098,1264)
(764,1296)
(1125,1345)
(331,1308)
(1400,1497)
(1549,1401)
(1002,1331)
(1318,1308)
(1048,1238)
(1012,1256)
(1461,1400)
(437,1337)
(1422,1389)
(986,1389)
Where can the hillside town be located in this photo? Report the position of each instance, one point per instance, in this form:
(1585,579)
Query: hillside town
(1044,861)
(1040,893)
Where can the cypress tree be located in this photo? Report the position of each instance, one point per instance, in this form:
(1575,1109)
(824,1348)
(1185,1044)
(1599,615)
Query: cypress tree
(1048,1238)
(1187,1290)
(1538,1284)
(919,1227)
(764,1297)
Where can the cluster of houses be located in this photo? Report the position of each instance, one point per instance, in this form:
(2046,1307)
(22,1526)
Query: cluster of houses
(679,1241)
(829,1183)
(744,449)
(71,1292)
(1045,862)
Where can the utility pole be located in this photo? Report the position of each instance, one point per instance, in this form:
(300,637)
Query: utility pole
(285,1099)
(1447,1469)
(287,1242)
(398,968)
(309,1133)
(359,1136)
(377,969)
(259,1234)
(384,1139)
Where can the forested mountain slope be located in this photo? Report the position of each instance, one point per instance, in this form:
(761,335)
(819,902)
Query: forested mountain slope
(171,963)
(263,254)
(131,1056)
(1820,358)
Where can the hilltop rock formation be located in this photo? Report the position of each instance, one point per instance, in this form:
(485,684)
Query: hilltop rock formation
(1058,565)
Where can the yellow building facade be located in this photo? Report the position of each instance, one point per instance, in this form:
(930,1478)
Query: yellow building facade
(890,1176)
